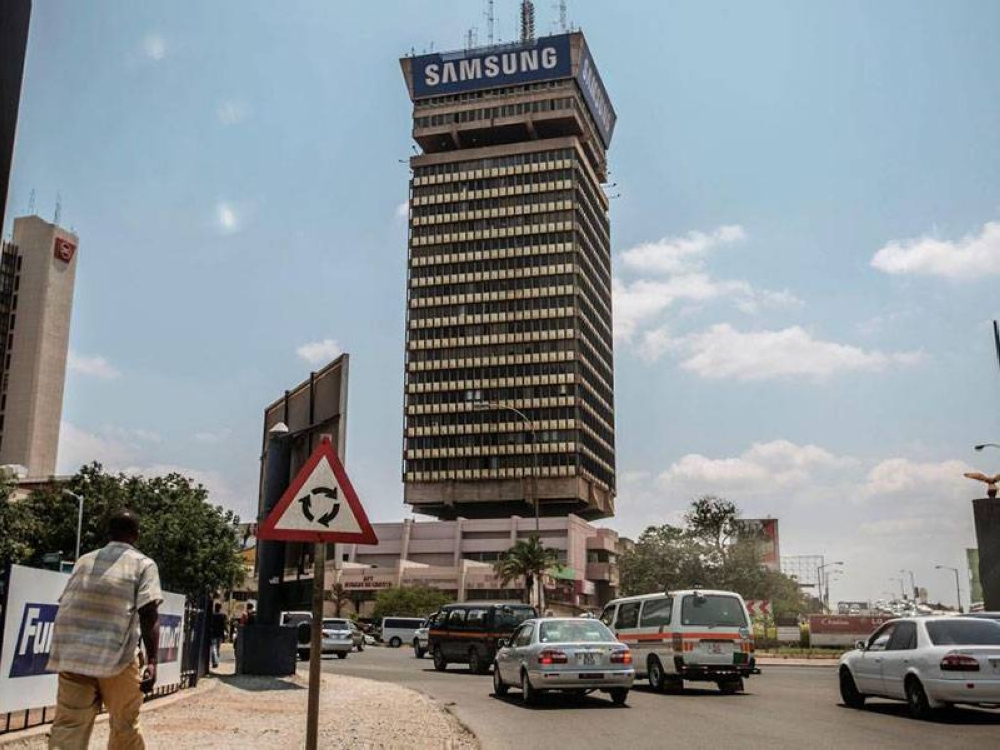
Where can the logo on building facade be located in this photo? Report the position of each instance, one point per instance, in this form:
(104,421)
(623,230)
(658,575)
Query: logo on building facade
(34,640)
(64,249)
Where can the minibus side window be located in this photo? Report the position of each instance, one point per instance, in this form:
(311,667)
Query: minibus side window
(628,615)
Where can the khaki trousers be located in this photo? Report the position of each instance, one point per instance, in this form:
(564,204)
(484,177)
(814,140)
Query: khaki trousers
(79,700)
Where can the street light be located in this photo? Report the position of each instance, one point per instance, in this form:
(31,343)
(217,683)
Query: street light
(958,590)
(498,405)
(913,585)
(819,570)
(79,520)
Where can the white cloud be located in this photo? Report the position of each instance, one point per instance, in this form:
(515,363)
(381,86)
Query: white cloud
(971,257)
(876,514)
(78,447)
(154,47)
(131,434)
(220,491)
(213,437)
(403,210)
(94,366)
(679,254)
(320,352)
(232,112)
(722,352)
(226,217)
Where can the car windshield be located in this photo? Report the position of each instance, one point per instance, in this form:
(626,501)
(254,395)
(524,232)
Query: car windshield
(507,618)
(574,631)
(964,632)
(712,610)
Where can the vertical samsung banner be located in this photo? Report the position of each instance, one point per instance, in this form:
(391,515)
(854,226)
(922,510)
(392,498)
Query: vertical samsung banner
(32,603)
(596,96)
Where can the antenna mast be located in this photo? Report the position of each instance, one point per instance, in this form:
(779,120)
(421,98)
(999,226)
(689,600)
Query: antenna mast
(55,219)
(527,20)
(562,15)
(490,22)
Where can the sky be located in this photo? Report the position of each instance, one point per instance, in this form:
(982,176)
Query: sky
(805,228)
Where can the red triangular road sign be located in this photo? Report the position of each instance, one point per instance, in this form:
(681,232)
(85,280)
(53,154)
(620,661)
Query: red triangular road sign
(320,505)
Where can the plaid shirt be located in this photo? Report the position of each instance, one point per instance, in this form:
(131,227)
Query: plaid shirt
(97,626)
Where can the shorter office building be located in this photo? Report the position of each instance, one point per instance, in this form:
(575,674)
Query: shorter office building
(458,556)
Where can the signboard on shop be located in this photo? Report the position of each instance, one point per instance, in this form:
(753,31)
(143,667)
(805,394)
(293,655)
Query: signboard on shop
(842,630)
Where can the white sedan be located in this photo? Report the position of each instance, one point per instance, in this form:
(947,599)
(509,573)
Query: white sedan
(930,662)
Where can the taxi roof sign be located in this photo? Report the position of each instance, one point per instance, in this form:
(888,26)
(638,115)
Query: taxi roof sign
(320,505)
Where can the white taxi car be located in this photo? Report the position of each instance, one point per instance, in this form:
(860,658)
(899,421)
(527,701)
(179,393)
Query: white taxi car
(930,662)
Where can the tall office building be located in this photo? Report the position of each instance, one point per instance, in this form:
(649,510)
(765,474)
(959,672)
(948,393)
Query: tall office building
(509,375)
(14,18)
(37,272)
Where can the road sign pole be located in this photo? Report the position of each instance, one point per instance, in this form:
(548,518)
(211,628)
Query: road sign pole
(316,646)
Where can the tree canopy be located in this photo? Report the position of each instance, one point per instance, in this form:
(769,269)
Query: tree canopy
(409,601)
(527,559)
(708,552)
(193,543)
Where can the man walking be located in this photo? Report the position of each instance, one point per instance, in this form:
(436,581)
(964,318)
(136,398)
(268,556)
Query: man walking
(218,633)
(111,598)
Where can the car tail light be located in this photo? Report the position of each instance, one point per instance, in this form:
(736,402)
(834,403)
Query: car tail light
(678,642)
(621,657)
(959,663)
(550,656)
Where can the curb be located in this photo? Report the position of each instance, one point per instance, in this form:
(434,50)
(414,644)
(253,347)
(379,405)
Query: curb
(205,685)
(808,663)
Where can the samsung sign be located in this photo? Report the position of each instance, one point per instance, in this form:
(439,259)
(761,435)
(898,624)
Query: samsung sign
(544,59)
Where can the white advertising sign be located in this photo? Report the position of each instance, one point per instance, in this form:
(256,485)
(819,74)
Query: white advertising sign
(32,603)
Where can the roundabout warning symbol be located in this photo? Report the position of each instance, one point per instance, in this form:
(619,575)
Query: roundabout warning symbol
(320,505)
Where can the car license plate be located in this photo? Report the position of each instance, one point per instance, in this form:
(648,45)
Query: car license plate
(586,659)
(718,648)
(592,676)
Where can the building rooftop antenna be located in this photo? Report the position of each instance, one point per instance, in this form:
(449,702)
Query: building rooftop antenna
(563,25)
(55,219)
(527,20)
(31,202)
(491,22)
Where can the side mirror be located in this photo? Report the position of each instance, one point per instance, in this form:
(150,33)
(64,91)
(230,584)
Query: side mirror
(860,645)
(502,643)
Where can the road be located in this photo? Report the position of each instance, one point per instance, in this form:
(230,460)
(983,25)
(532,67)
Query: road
(786,707)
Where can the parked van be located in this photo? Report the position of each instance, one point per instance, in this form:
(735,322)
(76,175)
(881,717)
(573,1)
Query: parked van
(468,632)
(694,635)
(399,630)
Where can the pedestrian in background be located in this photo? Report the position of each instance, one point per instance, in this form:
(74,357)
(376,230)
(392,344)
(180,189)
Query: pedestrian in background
(218,633)
(112,599)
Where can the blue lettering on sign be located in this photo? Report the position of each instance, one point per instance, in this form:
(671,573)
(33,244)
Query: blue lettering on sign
(596,97)
(34,640)
(171,633)
(543,59)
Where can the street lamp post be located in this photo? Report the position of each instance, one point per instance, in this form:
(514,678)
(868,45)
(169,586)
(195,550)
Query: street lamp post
(79,520)
(913,584)
(958,589)
(486,405)
(822,577)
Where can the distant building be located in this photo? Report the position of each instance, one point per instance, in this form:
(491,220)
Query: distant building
(458,557)
(509,284)
(37,274)
(14,20)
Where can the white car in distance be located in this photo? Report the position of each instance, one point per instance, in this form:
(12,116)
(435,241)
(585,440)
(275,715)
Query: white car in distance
(929,662)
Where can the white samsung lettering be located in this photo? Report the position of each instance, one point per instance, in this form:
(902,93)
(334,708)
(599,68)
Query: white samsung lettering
(529,59)
(448,73)
(431,75)
(492,66)
(508,63)
(470,70)
(550,58)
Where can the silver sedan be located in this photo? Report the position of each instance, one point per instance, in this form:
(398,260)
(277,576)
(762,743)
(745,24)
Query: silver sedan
(575,655)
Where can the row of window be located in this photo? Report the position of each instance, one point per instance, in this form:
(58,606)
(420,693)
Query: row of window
(483,184)
(492,329)
(494,285)
(538,240)
(491,113)
(494,162)
(516,461)
(497,93)
(494,265)
(491,439)
(484,374)
(504,395)
(538,221)
(489,204)
(466,418)
(492,350)
(526,304)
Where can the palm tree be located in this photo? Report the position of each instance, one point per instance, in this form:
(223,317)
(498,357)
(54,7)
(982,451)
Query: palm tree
(527,559)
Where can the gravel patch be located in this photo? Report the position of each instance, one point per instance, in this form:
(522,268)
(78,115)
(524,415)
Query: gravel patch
(246,711)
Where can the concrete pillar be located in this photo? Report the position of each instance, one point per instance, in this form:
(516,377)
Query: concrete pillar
(404,548)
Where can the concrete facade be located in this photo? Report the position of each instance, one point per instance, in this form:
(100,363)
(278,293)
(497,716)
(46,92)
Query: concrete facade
(458,556)
(37,276)
(509,300)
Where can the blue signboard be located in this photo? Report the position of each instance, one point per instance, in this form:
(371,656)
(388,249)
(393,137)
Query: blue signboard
(34,640)
(543,59)
(596,97)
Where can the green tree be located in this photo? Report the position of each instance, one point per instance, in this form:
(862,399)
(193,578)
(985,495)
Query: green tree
(17,526)
(527,559)
(409,601)
(195,544)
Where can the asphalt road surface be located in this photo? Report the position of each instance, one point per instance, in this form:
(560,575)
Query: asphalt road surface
(786,707)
